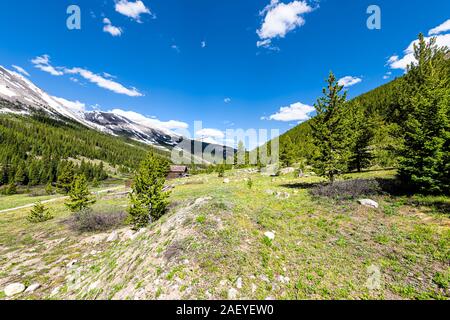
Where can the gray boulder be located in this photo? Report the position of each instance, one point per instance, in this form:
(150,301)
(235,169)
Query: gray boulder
(368,203)
(13,289)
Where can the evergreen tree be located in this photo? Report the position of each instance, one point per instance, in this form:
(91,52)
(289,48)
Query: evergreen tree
(34,173)
(148,200)
(287,154)
(361,137)
(39,213)
(66,175)
(49,189)
(21,177)
(11,189)
(4,174)
(425,157)
(79,196)
(330,131)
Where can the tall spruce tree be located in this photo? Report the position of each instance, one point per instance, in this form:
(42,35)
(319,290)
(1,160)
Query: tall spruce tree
(361,137)
(79,196)
(330,130)
(425,156)
(148,200)
(66,175)
(287,154)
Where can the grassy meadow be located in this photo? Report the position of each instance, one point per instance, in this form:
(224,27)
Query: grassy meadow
(213,244)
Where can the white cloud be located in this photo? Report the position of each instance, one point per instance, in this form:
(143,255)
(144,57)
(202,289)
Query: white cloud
(215,136)
(281,18)
(392,59)
(295,112)
(72,105)
(151,122)
(21,70)
(132,9)
(444,27)
(104,82)
(112,30)
(227,100)
(264,43)
(210,133)
(349,81)
(203,44)
(175,47)
(43,63)
(395,62)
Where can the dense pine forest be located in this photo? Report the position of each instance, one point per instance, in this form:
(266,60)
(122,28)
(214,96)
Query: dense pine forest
(38,150)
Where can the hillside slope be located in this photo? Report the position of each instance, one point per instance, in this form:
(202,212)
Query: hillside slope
(212,244)
(380,102)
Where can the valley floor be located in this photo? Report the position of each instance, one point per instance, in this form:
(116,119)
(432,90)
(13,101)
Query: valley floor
(213,244)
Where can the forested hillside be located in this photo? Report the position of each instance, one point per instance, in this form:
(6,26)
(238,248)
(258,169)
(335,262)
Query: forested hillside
(33,150)
(381,112)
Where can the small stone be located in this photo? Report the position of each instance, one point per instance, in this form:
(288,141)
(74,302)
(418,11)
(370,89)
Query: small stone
(94,285)
(33,287)
(270,235)
(222,283)
(368,203)
(112,237)
(232,294)
(226,180)
(72,263)
(129,235)
(239,283)
(283,279)
(55,291)
(282,195)
(13,289)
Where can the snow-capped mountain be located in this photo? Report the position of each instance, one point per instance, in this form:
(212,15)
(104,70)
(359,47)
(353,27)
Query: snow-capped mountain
(20,96)
(28,98)
(119,125)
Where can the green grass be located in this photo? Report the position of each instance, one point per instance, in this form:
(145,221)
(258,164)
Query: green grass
(324,247)
(17,200)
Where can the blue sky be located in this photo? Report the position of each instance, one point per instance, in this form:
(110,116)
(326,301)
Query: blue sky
(193,60)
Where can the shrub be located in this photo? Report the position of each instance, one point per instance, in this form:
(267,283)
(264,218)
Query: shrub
(87,220)
(221,171)
(249,183)
(39,213)
(9,190)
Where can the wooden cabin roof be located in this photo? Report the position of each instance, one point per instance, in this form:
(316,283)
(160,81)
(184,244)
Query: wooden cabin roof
(178,169)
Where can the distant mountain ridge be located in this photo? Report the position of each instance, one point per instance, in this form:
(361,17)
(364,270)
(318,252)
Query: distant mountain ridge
(26,98)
